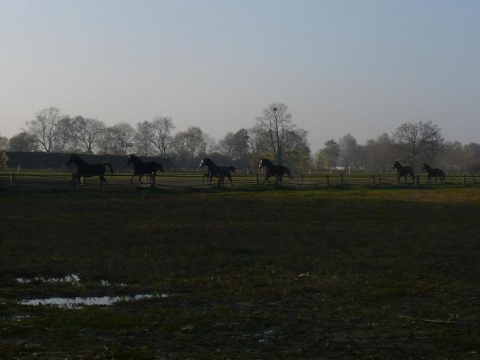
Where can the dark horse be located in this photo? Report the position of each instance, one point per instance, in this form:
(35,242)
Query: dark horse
(403,171)
(218,171)
(142,168)
(436,173)
(85,170)
(274,170)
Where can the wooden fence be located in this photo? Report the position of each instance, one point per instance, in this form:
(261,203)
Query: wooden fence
(246,178)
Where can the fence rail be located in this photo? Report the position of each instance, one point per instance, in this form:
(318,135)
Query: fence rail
(195,179)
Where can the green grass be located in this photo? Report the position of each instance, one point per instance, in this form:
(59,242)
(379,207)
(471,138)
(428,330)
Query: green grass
(250,273)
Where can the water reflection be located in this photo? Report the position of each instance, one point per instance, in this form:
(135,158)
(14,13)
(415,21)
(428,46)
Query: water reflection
(78,302)
(73,279)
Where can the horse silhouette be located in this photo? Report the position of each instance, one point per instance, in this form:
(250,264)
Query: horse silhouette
(142,168)
(274,170)
(403,171)
(437,173)
(85,169)
(215,170)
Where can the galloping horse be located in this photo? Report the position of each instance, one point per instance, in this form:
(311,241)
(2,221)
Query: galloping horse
(218,171)
(274,170)
(433,173)
(403,171)
(142,168)
(86,170)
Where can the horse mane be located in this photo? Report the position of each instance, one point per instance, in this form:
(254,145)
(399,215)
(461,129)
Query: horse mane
(74,157)
(208,161)
(267,162)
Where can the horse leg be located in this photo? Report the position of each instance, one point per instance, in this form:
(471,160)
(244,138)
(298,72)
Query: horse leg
(102,180)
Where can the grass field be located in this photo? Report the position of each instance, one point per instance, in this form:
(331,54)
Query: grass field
(270,273)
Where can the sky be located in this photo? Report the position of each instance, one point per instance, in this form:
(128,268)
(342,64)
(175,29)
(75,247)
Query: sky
(358,67)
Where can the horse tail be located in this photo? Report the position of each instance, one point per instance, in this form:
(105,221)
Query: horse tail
(110,166)
(232,168)
(160,167)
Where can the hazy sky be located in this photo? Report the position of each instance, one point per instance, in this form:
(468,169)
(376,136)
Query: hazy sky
(341,66)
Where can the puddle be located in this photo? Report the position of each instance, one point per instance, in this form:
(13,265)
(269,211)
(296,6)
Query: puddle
(72,279)
(78,302)
(108,283)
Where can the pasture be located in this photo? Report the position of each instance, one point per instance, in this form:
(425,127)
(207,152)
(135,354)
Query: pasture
(239,272)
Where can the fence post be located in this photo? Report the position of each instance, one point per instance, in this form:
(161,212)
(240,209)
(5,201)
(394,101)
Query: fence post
(341,178)
(152,185)
(12,179)
(465,180)
(256,178)
(379,179)
(301,178)
(328,180)
(418,180)
(373,180)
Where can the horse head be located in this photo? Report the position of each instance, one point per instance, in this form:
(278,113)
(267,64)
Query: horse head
(205,162)
(396,165)
(265,162)
(425,166)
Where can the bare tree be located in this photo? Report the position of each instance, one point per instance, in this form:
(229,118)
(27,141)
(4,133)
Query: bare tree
(327,157)
(235,145)
(87,132)
(454,158)
(297,150)
(421,139)
(3,142)
(378,155)
(3,159)
(23,141)
(161,136)
(189,144)
(143,139)
(45,128)
(275,128)
(348,151)
(117,139)
(66,135)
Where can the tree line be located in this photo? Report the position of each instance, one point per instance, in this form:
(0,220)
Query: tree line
(273,135)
